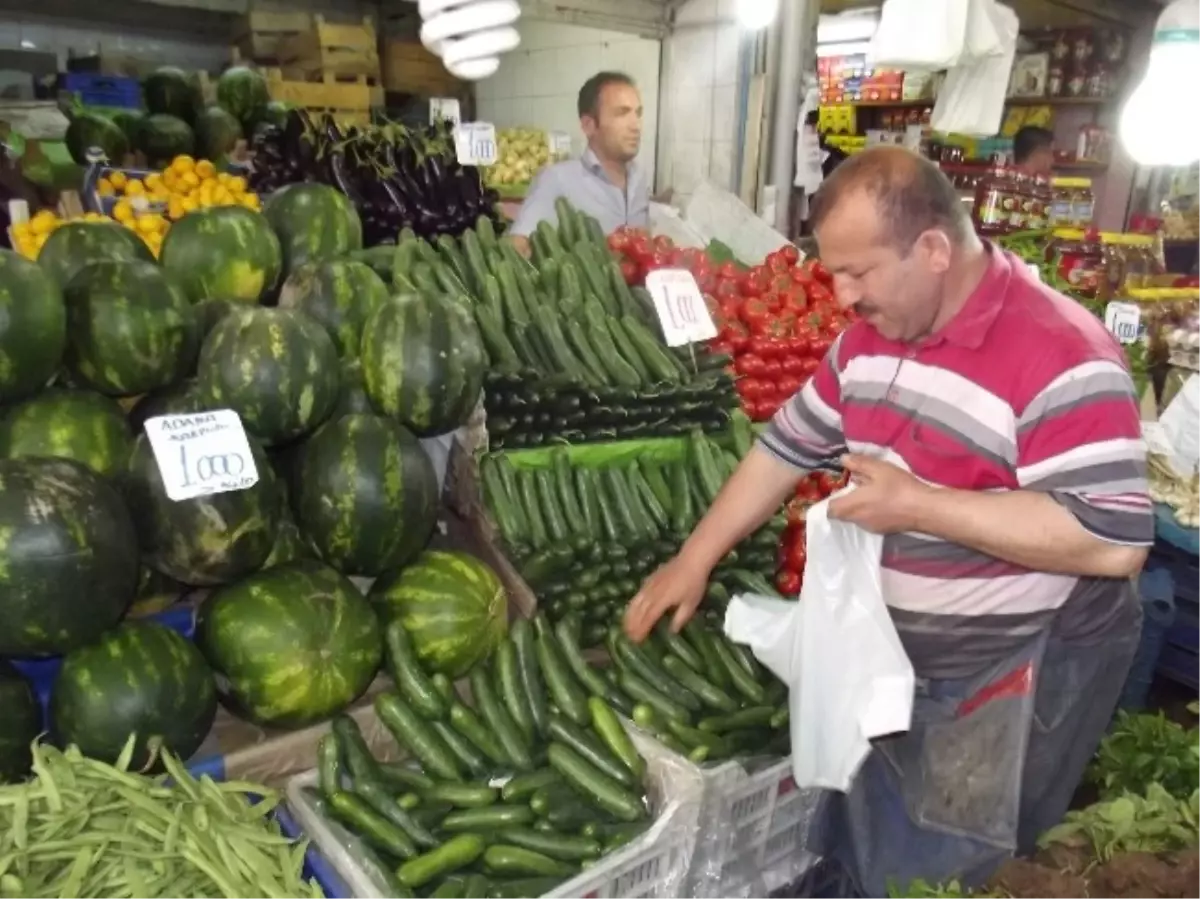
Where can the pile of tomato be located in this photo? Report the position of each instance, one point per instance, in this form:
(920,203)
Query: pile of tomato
(793,553)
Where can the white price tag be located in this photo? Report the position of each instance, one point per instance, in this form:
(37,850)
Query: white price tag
(444,108)
(1035,270)
(201,454)
(680,306)
(475,143)
(1123,321)
(559,143)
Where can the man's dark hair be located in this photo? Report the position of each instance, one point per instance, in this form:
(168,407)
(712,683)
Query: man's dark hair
(1029,140)
(911,194)
(589,94)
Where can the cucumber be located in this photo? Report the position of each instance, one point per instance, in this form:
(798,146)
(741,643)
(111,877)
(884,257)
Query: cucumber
(754,716)
(710,694)
(534,687)
(523,786)
(511,861)
(415,734)
(353,811)
(353,748)
(607,793)
(402,776)
(610,730)
(488,818)
(463,795)
(564,689)
(453,887)
(591,679)
(591,749)
(640,691)
(498,719)
(453,855)
(743,682)
(639,662)
(512,691)
(467,753)
(523,887)
(555,845)
(414,684)
(329,765)
(382,802)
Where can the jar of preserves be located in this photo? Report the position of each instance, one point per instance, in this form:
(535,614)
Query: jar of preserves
(1074,203)
(1022,192)
(1080,261)
(995,197)
(1060,203)
(1042,197)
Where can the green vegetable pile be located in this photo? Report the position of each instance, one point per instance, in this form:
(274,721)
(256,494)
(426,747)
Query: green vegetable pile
(509,795)
(1156,822)
(81,827)
(1141,750)
(584,536)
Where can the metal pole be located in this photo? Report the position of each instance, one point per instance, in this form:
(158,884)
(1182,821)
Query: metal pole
(797,52)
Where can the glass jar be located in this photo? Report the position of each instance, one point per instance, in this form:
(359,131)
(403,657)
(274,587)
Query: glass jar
(995,198)
(1074,203)
(1038,210)
(1022,193)
(1081,261)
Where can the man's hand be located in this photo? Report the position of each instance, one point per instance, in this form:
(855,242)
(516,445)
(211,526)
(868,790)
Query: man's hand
(678,585)
(886,498)
(522,245)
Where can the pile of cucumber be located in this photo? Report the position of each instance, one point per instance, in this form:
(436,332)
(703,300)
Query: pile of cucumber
(509,795)
(585,538)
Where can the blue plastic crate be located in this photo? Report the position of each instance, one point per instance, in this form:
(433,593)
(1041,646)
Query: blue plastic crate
(1179,657)
(103,90)
(1156,588)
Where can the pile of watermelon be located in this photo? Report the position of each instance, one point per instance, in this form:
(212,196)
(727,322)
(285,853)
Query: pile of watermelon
(263,314)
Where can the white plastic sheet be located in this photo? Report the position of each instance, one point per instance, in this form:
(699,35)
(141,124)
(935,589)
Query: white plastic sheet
(919,34)
(837,650)
(971,100)
(717,214)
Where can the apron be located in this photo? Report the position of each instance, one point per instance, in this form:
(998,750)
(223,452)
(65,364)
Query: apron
(990,762)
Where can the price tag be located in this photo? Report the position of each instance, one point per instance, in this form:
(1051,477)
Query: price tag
(1123,321)
(444,108)
(201,454)
(1035,270)
(475,143)
(680,306)
(559,143)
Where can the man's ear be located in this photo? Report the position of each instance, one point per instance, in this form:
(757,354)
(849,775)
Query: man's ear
(936,250)
(587,124)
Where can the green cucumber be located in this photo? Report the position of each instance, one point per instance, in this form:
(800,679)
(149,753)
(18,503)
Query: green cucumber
(566,692)
(453,855)
(710,694)
(754,716)
(512,691)
(353,811)
(415,734)
(467,753)
(555,845)
(488,818)
(607,793)
(414,684)
(463,795)
(608,727)
(513,861)
(523,786)
(466,722)
(498,719)
(329,765)
(590,748)
(534,686)
(382,802)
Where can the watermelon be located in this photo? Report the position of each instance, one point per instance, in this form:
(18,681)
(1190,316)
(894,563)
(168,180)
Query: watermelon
(163,137)
(78,244)
(155,593)
(205,540)
(130,328)
(315,222)
(21,725)
(243,92)
(276,368)
(291,645)
(129,121)
(69,424)
(275,114)
(423,362)
(33,327)
(92,132)
(217,133)
(381,259)
(452,605)
(224,253)
(352,391)
(366,494)
(139,678)
(289,543)
(339,294)
(168,91)
(68,556)
(178,399)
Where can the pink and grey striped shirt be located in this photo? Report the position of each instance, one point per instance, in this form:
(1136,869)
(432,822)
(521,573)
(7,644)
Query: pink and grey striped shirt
(1024,389)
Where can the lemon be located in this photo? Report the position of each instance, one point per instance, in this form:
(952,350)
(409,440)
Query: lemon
(42,225)
(22,230)
(183,164)
(146,224)
(117,178)
(153,180)
(123,211)
(190,179)
(250,201)
(135,188)
(206,169)
(190,204)
(105,188)
(236,185)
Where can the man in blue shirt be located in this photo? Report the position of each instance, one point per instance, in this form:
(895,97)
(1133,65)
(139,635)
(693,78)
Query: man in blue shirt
(604,182)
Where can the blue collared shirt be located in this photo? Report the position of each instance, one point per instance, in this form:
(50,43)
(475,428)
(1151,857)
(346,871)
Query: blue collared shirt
(587,187)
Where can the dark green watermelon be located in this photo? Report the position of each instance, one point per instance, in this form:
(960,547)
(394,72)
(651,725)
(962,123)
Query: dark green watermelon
(155,593)
(68,424)
(314,222)
(275,114)
(130,328)
(210,312)
(33,327)
(129,121)
(352,391)
(423,362)
(338,293)
(243,92)
(291,645)
(289,543)
(169,91)
(206,540)
(277,368)
(179,399)
(139,678)
(381,259)
(386,495)
(92,131)
(78,244)
(163,137)
(452,605)
(225,253)
(68,556)
(21,724)
(217,133)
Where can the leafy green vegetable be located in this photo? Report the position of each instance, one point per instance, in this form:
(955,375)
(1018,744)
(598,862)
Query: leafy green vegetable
(1141,750)
(1155,823)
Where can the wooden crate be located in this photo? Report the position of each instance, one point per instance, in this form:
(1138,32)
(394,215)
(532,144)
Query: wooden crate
(332,51)
(348,102)
(258,35)
(409,68)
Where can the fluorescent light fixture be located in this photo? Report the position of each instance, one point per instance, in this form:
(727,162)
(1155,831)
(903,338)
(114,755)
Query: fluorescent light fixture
(754,15)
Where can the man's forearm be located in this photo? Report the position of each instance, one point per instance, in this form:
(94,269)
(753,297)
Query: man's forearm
(1025,528)
(758,487)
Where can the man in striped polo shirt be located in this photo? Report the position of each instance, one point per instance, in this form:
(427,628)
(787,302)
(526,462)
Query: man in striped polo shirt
(991,427)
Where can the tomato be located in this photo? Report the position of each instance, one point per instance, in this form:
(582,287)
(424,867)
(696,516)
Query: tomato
(826,483)
(763,346)
(787,582)
(755,312)
(659,259)
(754,282)
(777,263)
(751,388)
(749,364)
(639,248)
(758,410)
(736,335)
(789,383)
(821,345)
(618,241)
(720,347)
(811,364)
(819,295)
(792,364)
(790,254)
(728,271)
(795,509)
(663,244)
(631,272)
(797,554)
(820,272)
(772,369)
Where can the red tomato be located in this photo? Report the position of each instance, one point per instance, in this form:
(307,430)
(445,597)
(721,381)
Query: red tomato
(754,282)
(749,364)
(720,347)
(789,384)
(763,346)
(790,254)
(751,388)
(820,272)
(758,410)
(639,248)
(630,271)
(811,364)
(793,365)
(819,295)
(729,271)
(618,241)
(772,369)
(797,554)
(731,307)
(663,244)
(821,345)
(826,483)
(787,582)
(727,288)
(736,335)
(777,263)
(755,312)
(659,259)
(795,509)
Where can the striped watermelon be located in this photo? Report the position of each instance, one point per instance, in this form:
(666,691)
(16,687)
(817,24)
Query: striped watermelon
(205,540)
(352,390)
(33,327)
(68,556)
(178,399)
(291,645)
(223,253)
(314,223)
(76,245)
(339,294)
(289,544)
(277,368)
(423,362)
(22,723)
(71,424)
(139,678)
(130,328)
(243,92)
(365,494)
(452,605)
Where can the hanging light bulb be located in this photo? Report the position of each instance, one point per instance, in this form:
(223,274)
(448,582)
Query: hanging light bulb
(754,15)
(1154,128)
(470,35)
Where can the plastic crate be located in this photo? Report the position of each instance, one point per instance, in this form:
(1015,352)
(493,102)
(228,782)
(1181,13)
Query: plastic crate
(1181,652)
(316,866)
(1156,588)
(103,90)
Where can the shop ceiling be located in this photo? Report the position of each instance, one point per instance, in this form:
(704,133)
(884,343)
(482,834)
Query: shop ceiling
(1052,13)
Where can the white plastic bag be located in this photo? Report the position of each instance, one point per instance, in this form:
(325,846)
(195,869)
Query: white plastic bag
(836,648)
(919,34)
(971,100)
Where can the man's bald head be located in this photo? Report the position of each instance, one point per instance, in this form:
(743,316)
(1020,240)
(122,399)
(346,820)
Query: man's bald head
(910,195)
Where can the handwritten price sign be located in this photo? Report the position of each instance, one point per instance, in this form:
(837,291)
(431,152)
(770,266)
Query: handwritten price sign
(1124,321)
(680,306)
(475,143)
(444,108)
(559,143)
(201,454)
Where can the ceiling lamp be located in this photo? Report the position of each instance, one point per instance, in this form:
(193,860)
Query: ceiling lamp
(470,35)
(754,15)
